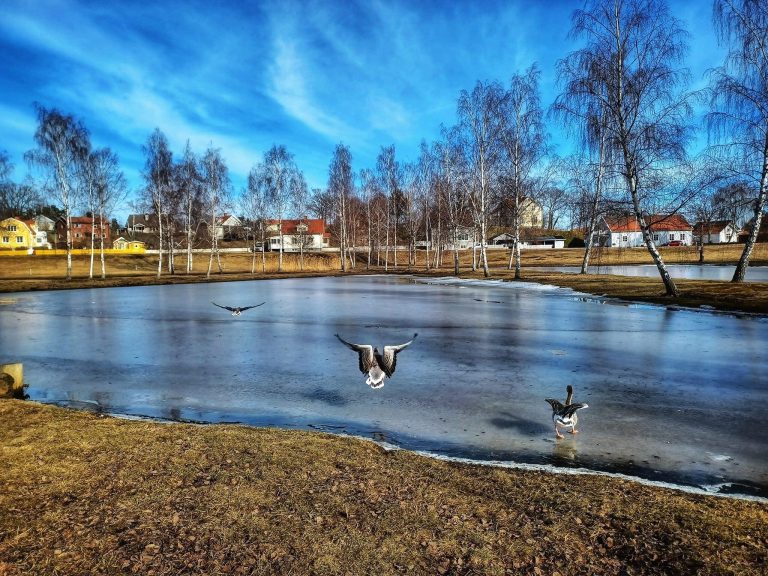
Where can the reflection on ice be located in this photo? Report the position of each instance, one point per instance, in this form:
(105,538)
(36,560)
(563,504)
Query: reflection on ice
(666,388)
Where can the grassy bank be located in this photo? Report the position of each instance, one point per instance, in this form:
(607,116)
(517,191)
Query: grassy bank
(85,494)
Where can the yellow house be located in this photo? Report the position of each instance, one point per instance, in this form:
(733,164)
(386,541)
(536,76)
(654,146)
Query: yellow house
(16,235)
(132,245)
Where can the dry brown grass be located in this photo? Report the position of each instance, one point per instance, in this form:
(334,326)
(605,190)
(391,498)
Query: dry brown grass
(87,495)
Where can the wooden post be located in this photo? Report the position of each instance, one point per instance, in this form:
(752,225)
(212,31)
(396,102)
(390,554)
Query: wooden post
(12,380)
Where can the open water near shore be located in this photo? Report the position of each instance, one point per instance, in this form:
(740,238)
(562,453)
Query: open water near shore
(676,271)
(674,395)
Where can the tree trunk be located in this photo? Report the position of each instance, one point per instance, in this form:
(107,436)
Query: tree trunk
(160,243)
(93,247)
(741,267)
(101,255)
(69,244)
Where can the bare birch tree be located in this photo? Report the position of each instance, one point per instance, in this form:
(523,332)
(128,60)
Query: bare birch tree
(740,101)
(281,179)
(524,141)
(106,187)
(480,133)
(158,176)
(62,144)
(454,182)
(188,183)
(632,50)
(256,206)
(341,184)
(369,189)
(215,177)
(390,174)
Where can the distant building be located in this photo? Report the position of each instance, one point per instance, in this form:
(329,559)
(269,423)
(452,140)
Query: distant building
(132,245)
(228,226)
(762,234)
(82,228)
(716,232)
(624,231)
(142,223)
(44,223)
(465,238)
(307,233)
(531,212)
(15,234)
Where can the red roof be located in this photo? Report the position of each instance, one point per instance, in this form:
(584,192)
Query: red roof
(657,222)
(314,225)
(714,227)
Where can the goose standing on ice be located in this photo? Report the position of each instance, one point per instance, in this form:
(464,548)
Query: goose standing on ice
(564,415)
(377,366)
(236,310)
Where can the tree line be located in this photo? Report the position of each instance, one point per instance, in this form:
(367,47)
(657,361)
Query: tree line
(624,97)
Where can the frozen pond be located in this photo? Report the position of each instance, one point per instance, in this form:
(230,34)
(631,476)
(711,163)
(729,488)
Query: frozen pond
(674,395)
(684,271)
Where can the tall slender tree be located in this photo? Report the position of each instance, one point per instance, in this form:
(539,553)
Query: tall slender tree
(282,178)
(158,176)
(215,191)
(341,184)
(189,185)
(633,53)
(62,146)
(740,102)
(480,132)
(524,141)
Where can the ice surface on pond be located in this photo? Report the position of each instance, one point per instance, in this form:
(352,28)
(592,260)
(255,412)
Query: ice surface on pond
(673,395)
(676,271)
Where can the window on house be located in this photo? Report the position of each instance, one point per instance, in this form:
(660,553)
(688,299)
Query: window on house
(624,238)
(19,239)
(12,228)
(6,239)
(655,237)
(671,235)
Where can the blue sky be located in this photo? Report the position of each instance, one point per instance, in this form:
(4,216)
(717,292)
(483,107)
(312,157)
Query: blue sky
(242,76)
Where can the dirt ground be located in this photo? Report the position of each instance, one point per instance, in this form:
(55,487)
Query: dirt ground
(85,494)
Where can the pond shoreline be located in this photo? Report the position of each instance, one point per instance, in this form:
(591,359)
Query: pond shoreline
(227,498)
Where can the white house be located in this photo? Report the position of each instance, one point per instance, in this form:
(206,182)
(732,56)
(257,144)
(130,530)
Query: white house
(624,232)
(465,238)
(717,232)
(227,226)
(307,233)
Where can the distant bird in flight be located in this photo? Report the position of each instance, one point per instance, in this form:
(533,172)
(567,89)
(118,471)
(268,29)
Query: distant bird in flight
(236,310)
(564,415)
(377,366)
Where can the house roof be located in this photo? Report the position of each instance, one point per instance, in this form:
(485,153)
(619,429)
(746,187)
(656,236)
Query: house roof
(149,220)
(714,227)
(657,222)
(314,225)
(221,220)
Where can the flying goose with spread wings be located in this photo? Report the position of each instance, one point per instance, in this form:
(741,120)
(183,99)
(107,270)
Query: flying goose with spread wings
(377,366)
(236,310)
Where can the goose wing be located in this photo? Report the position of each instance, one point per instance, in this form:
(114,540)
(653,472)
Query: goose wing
(244,308)
(570,410)
(364,352)
(389,358)
(557,406)
(224,307)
